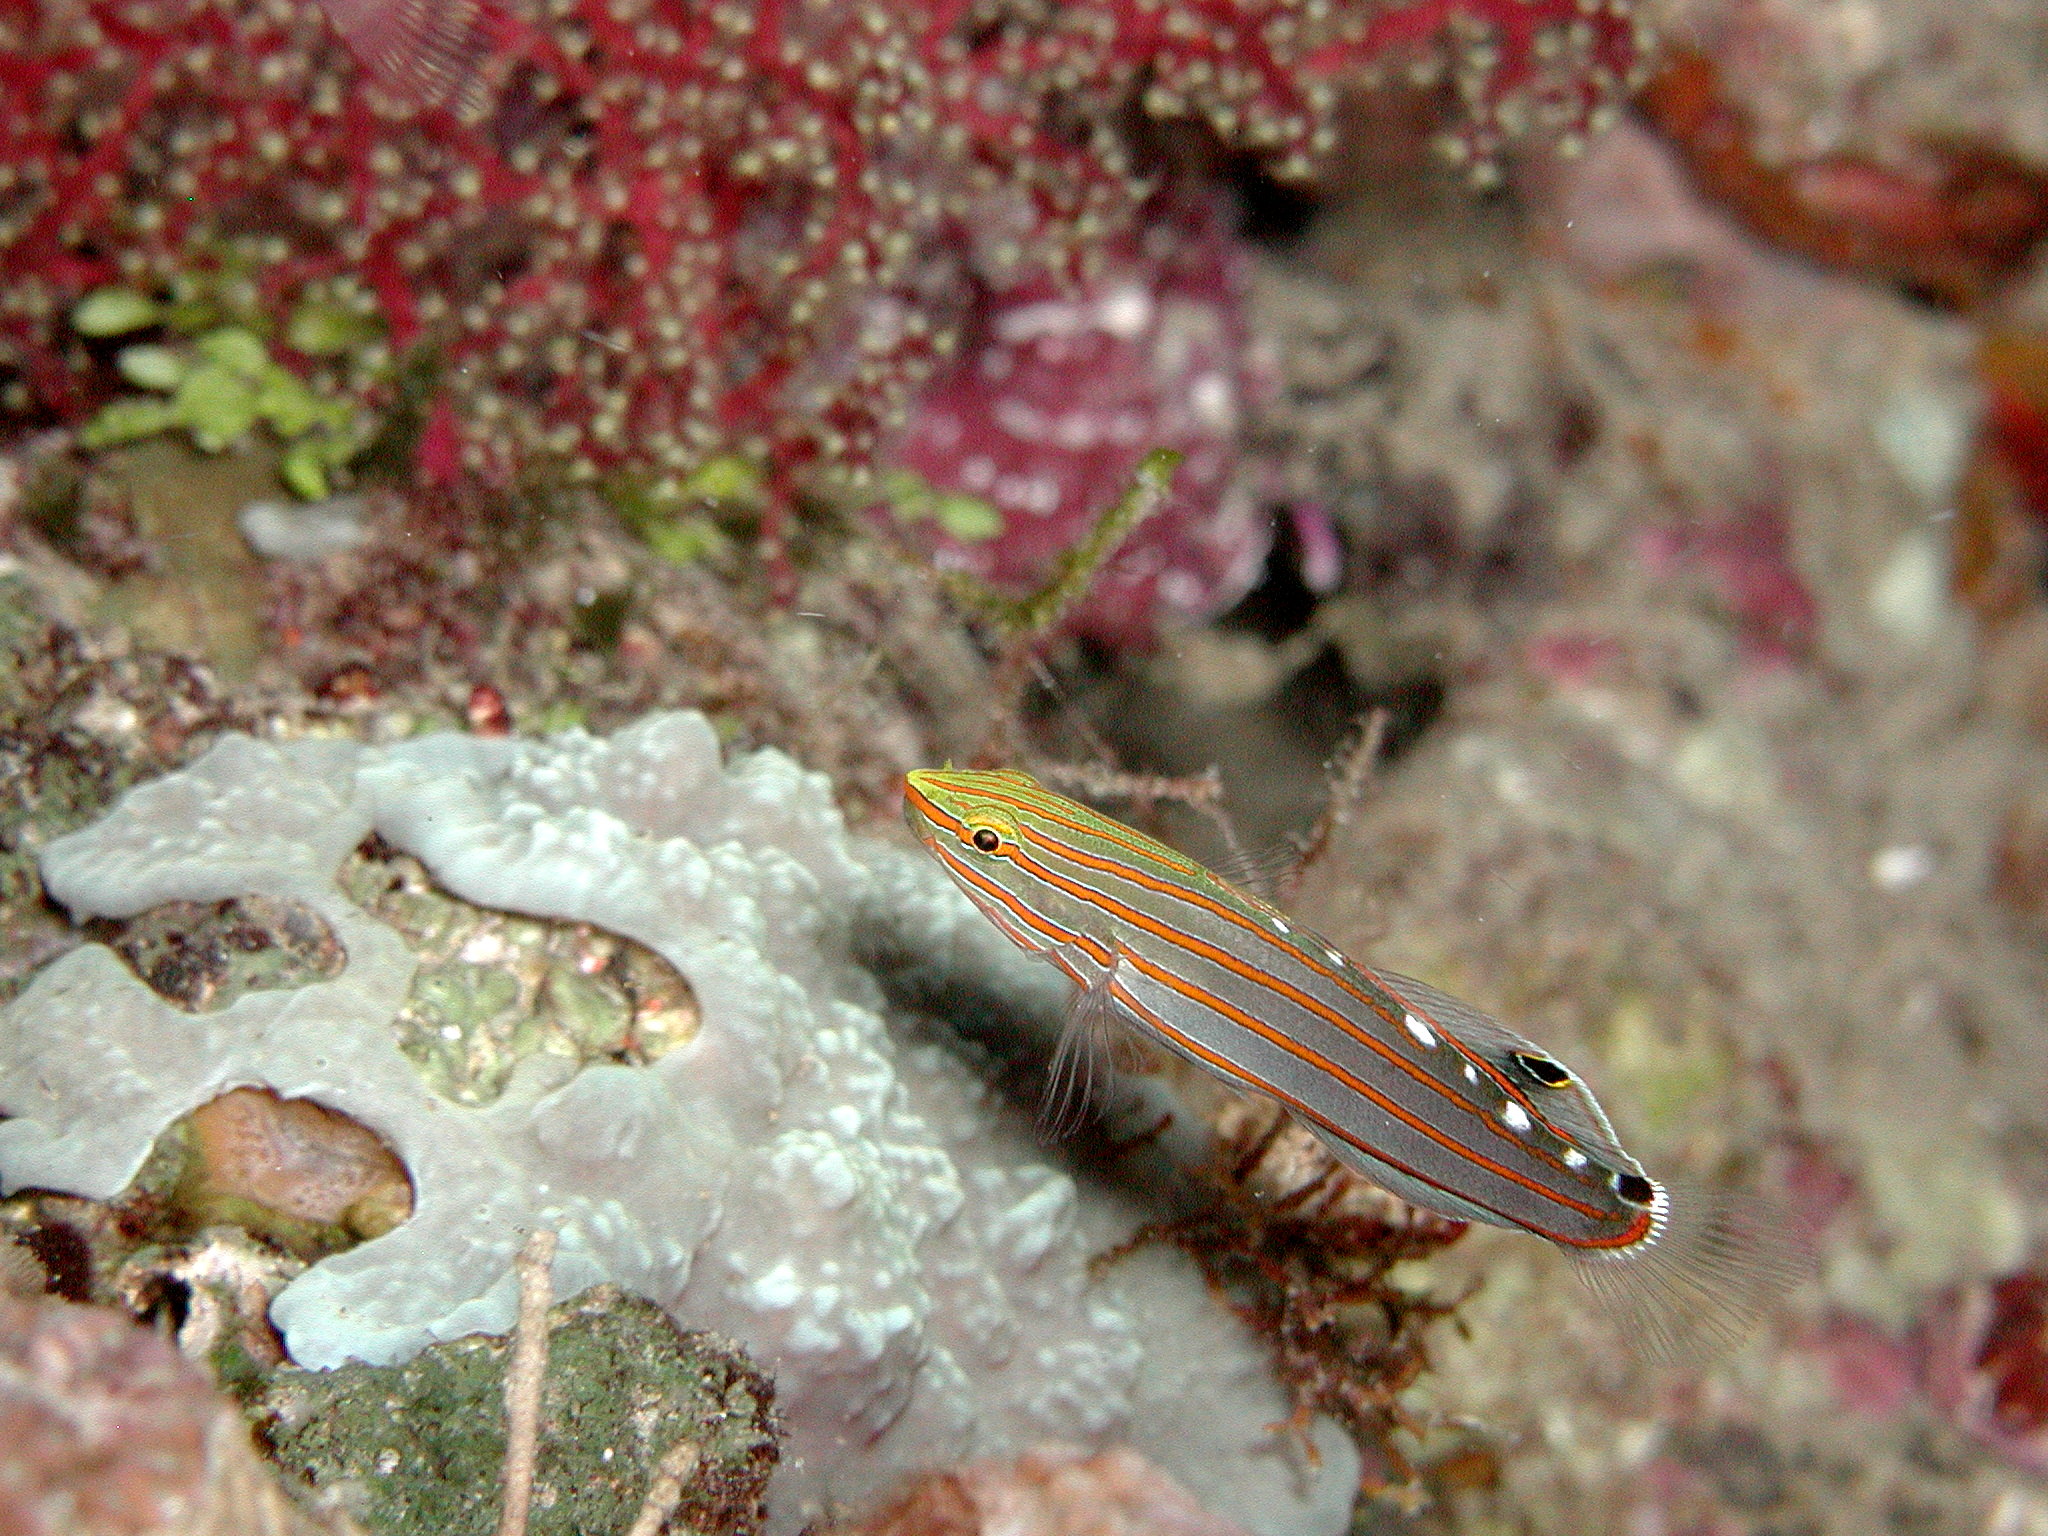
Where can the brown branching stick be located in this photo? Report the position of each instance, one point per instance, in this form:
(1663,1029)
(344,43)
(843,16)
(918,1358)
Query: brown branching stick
(1200,792)
(524,1374)
(665,1488)
(1347,787)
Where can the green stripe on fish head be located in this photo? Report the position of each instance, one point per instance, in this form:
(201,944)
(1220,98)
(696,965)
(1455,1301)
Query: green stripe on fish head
(979,825)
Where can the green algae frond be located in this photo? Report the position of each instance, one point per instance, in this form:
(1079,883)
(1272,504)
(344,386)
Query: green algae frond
(210,375)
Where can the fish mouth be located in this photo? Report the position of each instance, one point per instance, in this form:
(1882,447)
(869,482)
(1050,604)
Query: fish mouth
(917,807)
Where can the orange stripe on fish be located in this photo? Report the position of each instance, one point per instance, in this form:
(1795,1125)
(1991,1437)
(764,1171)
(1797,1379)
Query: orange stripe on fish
(1423,1094)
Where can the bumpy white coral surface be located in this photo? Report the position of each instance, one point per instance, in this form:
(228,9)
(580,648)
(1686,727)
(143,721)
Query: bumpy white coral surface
(846,1208)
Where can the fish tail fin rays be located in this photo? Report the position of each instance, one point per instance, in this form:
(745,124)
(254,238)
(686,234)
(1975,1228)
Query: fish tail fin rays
(1715,1263)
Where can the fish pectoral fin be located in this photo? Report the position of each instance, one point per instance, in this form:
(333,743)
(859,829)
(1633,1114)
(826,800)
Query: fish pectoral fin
(1085,1061)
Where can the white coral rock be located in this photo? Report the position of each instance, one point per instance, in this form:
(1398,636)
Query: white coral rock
(793,1177)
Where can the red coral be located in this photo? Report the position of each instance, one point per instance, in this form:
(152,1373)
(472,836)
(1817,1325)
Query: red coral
(637,233)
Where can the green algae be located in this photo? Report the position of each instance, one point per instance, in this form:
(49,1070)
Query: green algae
(207,367)
(418,1447)
(1038,613)
(204,955)
(911,499)
(495,988)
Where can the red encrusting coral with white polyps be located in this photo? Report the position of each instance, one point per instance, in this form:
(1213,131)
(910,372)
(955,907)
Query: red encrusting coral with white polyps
(629,237)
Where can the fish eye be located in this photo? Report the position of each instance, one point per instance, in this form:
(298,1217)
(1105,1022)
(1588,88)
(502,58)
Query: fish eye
(1635,1189)
(987,839)
(1542,1070)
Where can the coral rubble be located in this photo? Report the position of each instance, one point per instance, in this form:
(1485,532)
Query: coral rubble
(109,1433)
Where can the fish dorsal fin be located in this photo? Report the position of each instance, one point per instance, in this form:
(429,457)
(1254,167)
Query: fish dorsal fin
(1260,872)
(1552,1088)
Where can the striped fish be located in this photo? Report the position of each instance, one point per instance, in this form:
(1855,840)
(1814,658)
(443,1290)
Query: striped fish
(1426,1096)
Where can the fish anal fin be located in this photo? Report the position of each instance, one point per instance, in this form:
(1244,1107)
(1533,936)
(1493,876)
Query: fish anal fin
(1402,1186)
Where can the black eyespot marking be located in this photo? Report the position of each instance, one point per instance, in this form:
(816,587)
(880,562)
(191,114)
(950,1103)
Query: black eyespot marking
(987,839)
(1635,1189)
(1542,1070)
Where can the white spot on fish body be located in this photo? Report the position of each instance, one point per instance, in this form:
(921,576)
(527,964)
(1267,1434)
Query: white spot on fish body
(1515,1117)
(1419,1028)
(1471,1073)
(1574,1158)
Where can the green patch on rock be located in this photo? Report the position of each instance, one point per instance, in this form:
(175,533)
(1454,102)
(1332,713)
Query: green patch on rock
(495,988)
(691,518)
(1673,1072)
(203,955)
(419,1447)
(911,498)
(202,593)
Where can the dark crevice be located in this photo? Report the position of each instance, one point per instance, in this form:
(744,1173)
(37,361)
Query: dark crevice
(1281,604)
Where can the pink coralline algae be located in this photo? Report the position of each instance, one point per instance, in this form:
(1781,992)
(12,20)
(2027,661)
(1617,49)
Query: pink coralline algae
(1061,392)
(627,236)
(1745,565)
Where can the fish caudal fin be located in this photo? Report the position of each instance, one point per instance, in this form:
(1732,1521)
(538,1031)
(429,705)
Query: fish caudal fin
(1714,1265)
